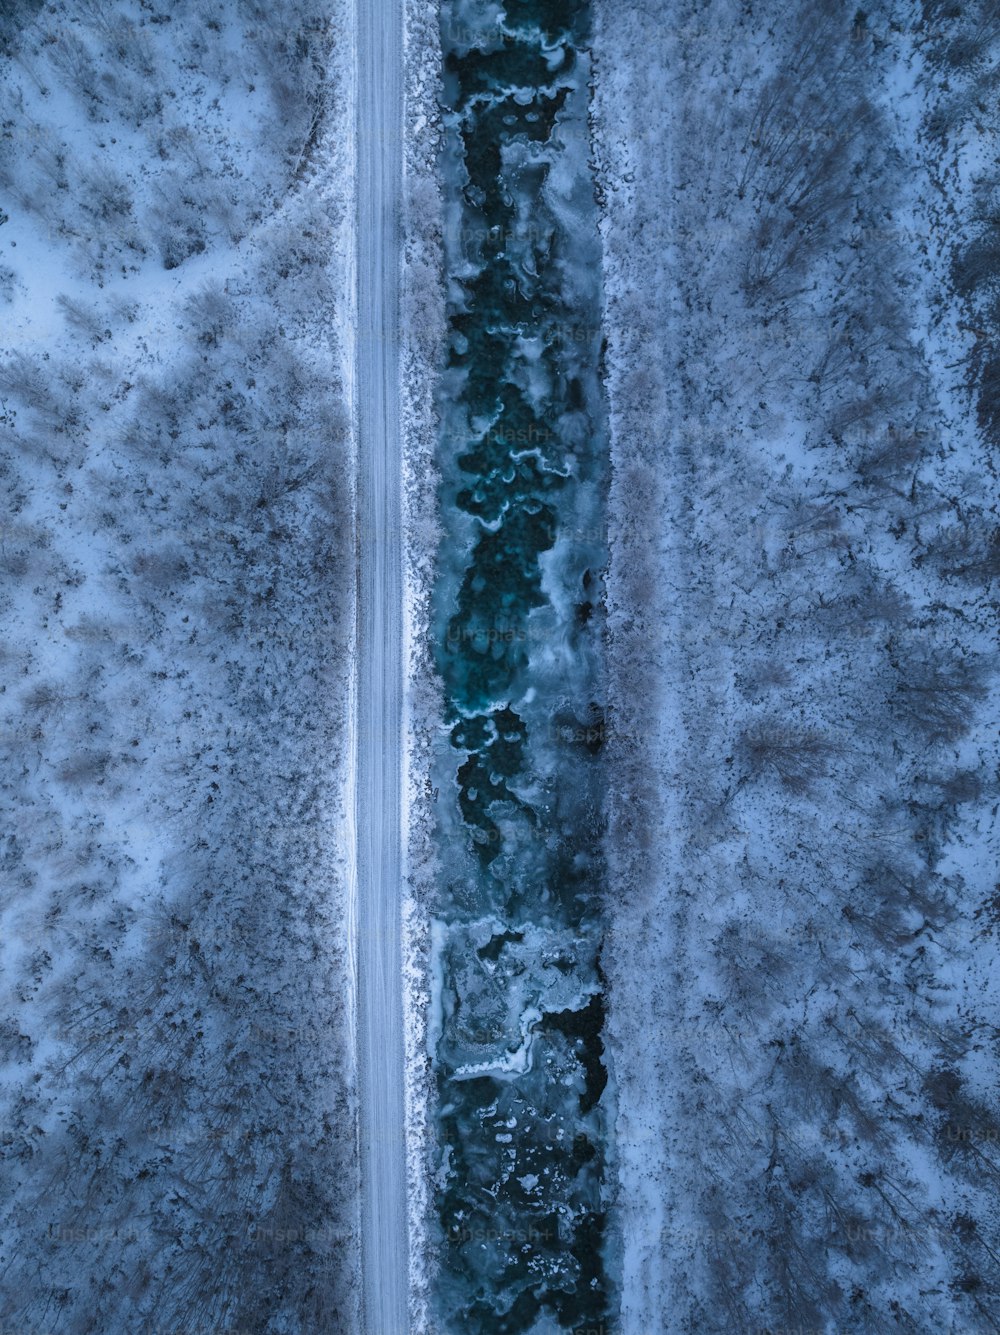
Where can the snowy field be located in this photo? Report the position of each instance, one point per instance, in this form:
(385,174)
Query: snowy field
(802,639)
(177,1081)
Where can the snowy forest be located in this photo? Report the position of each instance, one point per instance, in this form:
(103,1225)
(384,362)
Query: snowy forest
(801,316)
(177,1126)
(698,336)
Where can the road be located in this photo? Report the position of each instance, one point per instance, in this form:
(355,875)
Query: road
(384,1249)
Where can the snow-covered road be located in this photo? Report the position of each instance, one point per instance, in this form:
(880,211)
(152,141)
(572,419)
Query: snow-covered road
(379,666)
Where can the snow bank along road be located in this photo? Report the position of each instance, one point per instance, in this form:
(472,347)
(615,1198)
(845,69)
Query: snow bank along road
(379,668)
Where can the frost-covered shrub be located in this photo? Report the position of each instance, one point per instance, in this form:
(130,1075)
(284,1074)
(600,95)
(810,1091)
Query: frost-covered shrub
(988,387)
(71,60)
(21,376)
(937,694)
(798,757)
(809,131)
(892,904)
(977,267)
(211,312)
(970,551)
(893,459)
(104,193)
(176,219)
(85,319)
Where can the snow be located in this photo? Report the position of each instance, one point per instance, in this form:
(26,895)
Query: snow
(175,735)
(422,330)
(774,771)
(800,747)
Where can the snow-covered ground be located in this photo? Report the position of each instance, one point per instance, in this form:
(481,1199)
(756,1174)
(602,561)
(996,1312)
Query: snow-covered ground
(177,1078)
(422,338)
(215,898)
(801,637)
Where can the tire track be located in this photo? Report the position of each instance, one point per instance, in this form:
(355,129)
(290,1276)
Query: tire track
(379,671)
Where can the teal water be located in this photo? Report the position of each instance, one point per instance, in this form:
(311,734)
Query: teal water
(517,1046)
